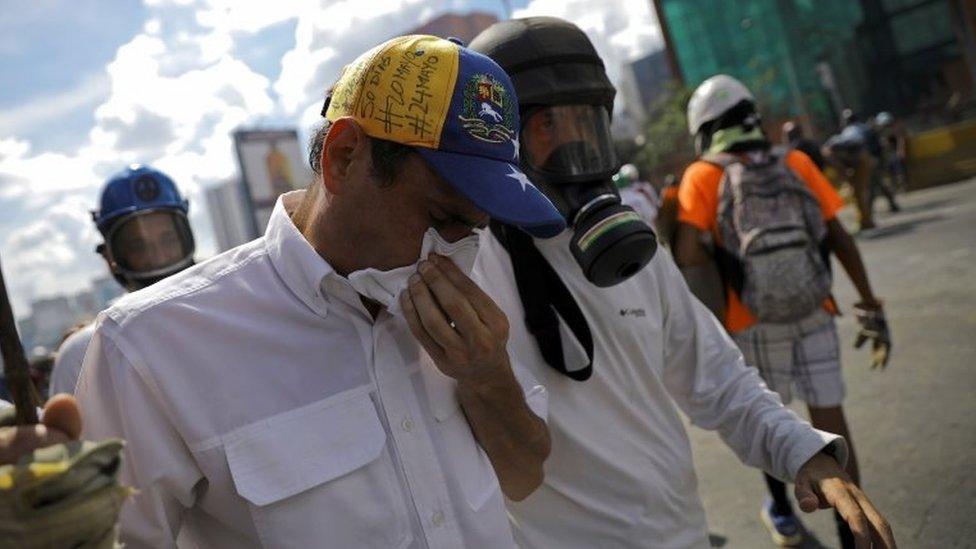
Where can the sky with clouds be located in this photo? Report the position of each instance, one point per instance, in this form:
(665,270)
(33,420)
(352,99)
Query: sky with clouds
(89,87)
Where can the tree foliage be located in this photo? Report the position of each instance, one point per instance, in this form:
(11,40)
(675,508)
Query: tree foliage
(667,148)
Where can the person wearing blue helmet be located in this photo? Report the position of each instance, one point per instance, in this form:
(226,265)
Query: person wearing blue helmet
(147,237)
(143,219)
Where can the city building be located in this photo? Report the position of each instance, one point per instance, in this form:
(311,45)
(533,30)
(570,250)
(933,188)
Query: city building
(643,82)
(50,316)
(914,54)
(465,27)
(106,289)
(228,214)
(86,304)
(809,59)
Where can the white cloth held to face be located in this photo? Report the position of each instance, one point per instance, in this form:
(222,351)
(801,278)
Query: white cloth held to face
(385,286)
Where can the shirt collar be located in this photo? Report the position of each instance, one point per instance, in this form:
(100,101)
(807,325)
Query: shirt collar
(301,268)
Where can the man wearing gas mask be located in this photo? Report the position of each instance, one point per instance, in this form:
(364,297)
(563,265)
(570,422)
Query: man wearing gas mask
(142,218)
(614,334)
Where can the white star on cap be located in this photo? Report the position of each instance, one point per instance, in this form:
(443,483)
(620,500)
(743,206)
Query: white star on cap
(515,143)
(520,177)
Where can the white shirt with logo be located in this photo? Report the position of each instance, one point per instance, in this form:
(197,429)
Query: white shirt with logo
(620,473)
(262,406)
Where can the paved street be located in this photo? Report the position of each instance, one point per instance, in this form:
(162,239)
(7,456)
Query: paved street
(914,425)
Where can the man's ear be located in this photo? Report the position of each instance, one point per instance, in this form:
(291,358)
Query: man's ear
(344,150)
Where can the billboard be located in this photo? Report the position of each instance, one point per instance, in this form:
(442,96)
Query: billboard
(271,164)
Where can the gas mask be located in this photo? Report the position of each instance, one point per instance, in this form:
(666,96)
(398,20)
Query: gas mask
(385,287)
(567,151)
(148,246)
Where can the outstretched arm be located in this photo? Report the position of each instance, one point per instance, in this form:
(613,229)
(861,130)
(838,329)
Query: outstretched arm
(708,378)
(843,246)
(823,484)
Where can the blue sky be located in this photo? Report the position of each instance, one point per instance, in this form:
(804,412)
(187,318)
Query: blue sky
(88,87)
(52,52)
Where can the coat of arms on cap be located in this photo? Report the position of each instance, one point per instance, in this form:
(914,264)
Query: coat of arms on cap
(487,110)
(146,188)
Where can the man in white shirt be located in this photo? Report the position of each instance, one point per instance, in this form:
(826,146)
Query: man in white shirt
(277,396)
(619,342)
(142,217)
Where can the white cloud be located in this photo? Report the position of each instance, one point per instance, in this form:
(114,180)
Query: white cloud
(233,15)
(333,36)
(621,30)
(42,110)
(52,255)
(152,26)
(24,173)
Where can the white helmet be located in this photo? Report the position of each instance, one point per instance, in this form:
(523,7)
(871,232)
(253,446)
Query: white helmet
(712,98)
(630,172)
(884,119)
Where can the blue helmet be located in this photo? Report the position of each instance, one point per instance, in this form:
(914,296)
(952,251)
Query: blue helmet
(143,218)
(134,189)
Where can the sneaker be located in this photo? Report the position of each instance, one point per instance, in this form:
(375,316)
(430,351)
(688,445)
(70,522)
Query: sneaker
(784,529)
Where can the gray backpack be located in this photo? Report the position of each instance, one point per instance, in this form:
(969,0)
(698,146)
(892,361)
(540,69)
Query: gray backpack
(772,237)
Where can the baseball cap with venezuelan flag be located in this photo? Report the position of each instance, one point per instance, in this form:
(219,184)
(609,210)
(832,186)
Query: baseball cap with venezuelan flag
(458,108)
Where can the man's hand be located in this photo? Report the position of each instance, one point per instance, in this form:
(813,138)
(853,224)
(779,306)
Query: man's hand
(460,327)
(465,333)
(874,326)
(821,483)
(61,423)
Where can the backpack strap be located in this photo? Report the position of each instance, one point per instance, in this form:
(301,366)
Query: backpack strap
(543,295)
(729,268)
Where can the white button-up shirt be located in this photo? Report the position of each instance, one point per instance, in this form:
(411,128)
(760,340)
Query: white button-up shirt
(67,364)
(620,474)
(263,406)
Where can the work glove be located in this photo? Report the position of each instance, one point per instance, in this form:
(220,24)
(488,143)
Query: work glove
(65,495)
(873,327)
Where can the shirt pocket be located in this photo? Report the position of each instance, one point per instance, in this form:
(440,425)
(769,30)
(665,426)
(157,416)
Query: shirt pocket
(319,475)
(469,463)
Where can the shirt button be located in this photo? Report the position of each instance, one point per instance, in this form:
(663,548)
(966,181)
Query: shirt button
(437,519)
(407,425)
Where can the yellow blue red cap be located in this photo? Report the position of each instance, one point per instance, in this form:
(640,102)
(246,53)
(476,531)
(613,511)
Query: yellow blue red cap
(459,109)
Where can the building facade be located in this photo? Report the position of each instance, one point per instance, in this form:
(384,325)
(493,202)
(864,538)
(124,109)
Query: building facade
(229,214)
(809,59)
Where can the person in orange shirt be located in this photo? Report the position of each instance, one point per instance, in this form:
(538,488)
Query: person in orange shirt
(798,352)
(667,215)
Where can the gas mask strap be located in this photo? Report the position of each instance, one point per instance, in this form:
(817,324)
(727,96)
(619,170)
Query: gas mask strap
(543,295)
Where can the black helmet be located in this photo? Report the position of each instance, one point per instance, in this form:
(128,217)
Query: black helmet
(550,61)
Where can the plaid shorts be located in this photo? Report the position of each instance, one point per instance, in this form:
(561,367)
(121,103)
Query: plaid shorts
(804,355)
